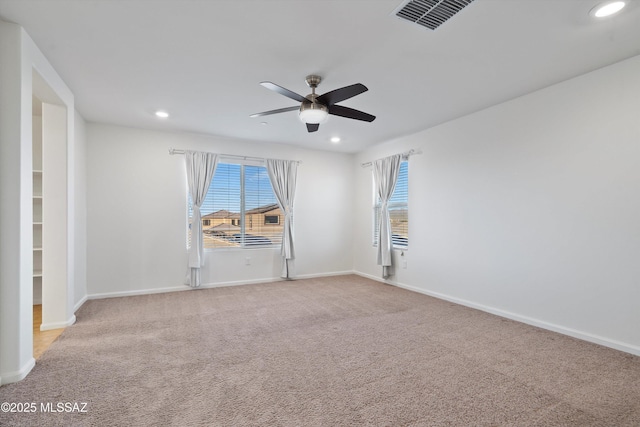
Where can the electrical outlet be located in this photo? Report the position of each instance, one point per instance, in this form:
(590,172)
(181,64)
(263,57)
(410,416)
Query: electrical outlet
(247,261)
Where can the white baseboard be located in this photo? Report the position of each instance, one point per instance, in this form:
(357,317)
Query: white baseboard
(607,342)
(376,278)
(79,303)
(136,292)
(13,377)
(58,325)
(239,283)
(208,285)
(334,273)
(151,291)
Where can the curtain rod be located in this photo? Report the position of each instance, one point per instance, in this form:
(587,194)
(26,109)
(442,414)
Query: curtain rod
(173,151)
(404,156)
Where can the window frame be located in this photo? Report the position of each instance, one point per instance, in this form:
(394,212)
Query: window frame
(277,221)
(377,205)
(246,243)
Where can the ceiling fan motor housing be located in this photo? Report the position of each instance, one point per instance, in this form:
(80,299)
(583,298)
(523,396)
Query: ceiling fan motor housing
(313,81)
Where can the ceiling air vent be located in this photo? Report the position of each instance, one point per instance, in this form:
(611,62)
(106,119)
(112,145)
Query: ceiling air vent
(430,13)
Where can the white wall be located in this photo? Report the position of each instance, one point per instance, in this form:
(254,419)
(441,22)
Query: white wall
(529,209)
(16,257)
(55,301)
(23,69)
(136,212)
(80,212)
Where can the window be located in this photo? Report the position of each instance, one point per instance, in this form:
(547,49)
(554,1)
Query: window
(237,193)
(271,219)
(398,210)
(206,222)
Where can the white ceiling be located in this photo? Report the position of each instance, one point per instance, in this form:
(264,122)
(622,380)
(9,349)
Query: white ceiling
(202,60)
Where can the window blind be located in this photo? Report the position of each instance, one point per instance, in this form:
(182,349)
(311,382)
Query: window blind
(240,209)
(398,210)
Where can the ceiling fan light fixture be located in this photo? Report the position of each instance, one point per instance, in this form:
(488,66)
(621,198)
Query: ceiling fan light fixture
(607,9)
(313,113)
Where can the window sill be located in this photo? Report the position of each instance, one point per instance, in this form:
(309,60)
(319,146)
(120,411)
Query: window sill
(396,248)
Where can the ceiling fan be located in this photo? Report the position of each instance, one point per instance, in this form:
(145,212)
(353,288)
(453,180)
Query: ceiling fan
(314,108)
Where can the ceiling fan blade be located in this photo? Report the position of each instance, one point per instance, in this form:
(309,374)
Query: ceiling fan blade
(282,91)
(350,113)
(341,94)
(312,127)
(280,110)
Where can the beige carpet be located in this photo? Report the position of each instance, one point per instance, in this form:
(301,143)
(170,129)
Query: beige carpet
(336,351)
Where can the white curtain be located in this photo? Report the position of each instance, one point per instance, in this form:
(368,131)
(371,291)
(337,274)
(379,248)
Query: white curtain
(282,174)
(385,176)
(200,169)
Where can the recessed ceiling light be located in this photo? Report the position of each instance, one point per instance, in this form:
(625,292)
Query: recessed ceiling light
(335,139)
(264,123)
(607,9)
(162,114)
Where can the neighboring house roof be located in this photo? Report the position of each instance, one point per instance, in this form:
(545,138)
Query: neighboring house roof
(263,209)
(221,214)
(225,227)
